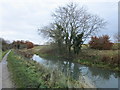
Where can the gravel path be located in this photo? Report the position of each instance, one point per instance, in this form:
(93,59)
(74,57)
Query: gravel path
(5,79)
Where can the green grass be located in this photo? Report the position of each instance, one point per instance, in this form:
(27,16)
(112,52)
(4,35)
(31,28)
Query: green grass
(2,54)
(30,74)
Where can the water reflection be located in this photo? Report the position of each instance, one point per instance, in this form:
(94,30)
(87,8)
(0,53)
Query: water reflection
(102,78)
(101,73)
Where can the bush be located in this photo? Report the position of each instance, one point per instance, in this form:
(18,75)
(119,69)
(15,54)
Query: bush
(30,45)
(116,46)
(101,43)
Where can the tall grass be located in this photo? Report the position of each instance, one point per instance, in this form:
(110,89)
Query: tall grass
(102,58)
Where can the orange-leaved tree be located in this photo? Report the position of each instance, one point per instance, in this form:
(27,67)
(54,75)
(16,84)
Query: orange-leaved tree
(101,43)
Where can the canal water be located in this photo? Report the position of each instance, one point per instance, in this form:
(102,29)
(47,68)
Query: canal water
(101,78)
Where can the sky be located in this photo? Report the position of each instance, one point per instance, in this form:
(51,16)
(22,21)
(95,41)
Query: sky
(20,19)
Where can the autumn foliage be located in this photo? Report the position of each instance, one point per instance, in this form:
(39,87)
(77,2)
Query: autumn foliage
(101,43)
(29,45)
(22,44)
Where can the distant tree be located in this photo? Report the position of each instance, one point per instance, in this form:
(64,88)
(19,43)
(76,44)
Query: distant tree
(117,40)
(117,37)
(29,45)
(5,44)
(22,44)
(101,43)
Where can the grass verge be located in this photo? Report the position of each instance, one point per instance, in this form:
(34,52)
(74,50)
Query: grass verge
(2,54)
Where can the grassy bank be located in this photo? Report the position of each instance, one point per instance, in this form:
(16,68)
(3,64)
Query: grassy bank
(30,74)
(2,54)
(108,59)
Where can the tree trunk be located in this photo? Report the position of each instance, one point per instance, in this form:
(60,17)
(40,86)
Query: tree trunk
(69,51)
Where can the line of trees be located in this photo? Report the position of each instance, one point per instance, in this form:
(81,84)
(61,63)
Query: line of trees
(22,44)
(6,45)
(71,27)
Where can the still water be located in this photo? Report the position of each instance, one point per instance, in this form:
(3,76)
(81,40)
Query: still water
(100,77)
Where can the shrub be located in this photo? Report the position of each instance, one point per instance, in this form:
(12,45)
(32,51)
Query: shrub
(101,43)
(116,46)
(29,45)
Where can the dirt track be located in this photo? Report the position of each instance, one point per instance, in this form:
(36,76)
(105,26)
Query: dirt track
(5,79)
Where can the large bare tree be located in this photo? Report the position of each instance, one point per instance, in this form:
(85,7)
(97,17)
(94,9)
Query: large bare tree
(72,26)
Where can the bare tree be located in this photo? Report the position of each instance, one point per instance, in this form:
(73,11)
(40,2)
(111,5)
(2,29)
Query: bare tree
(117,37)
(72,22)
